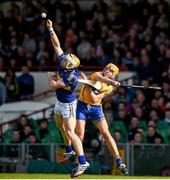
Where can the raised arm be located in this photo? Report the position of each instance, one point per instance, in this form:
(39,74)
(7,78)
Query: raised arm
(54,39)
(107,80)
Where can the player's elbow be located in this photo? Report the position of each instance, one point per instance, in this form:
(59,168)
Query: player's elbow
(56,48)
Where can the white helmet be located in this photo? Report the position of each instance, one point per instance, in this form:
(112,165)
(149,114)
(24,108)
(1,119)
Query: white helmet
(70,61)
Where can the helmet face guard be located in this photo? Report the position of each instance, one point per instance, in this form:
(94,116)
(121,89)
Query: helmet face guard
(70,62)
(113,68)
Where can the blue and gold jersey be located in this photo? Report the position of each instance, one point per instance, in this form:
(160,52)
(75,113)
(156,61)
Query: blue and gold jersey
(70,79)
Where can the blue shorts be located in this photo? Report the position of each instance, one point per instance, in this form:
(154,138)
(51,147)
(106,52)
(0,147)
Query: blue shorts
(88,112)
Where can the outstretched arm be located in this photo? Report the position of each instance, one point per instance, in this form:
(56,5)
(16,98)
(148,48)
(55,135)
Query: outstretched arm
(54,39)
(107,80)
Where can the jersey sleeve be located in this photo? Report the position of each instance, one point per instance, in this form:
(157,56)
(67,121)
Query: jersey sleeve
(71,78)
(61,56)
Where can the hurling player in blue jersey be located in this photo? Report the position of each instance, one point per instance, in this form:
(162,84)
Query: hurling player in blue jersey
(65,106)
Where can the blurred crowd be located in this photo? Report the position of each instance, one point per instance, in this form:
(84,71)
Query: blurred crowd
(25,131)
(132,34)
(15,88)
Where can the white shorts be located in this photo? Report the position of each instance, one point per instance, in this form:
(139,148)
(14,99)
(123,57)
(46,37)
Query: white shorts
(67,110)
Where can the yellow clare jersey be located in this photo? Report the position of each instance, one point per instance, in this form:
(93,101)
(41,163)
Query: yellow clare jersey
(85,93)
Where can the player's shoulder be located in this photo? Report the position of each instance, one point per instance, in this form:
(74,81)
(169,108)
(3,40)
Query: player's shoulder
(95,74)
(72,76)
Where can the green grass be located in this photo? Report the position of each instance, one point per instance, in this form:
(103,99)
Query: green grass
(67,176)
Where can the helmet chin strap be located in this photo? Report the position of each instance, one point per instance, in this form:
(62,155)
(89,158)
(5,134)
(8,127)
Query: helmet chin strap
(66,68)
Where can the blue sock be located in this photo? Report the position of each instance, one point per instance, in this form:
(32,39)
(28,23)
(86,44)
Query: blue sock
(82,159)
(118,160)
(69,149)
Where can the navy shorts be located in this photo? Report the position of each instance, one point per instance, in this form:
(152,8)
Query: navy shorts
(88,112)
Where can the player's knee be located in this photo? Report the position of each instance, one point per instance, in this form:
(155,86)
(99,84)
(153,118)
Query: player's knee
(70,133)
(78,131)
(80,134)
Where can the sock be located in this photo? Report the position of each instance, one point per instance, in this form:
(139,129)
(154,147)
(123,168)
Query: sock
(118,160)
(82,159)
(69,149)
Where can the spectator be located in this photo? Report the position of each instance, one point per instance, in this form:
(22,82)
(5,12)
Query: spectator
(13,149)
(13,45)
(141,130)
(21,56)
(12,87)
(145,69)
(138,138)
(42,52)
(161,104)
(26,132)
(167,116)
(139,113)
(152,123)
(29,43)
(43,128)
(99,6)
(128,60)
(3,49)
(90,59)
(154,104)
(121,96)
(152,134)
(13,63)
(3,93)
(153,116)
(83,47)
(26,83)
(21,123)
(158,140)
(101,57)
(134,124)
(117,135)
(36,151)
(122,116)
(116,19)
(43,61)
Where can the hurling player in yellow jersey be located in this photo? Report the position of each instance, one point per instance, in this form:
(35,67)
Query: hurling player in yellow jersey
(65,105)
(89,107)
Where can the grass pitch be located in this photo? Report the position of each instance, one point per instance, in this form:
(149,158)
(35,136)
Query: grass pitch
(67,176)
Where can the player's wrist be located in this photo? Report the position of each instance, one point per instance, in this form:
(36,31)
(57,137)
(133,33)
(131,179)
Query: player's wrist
(113,83)
(50,29)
